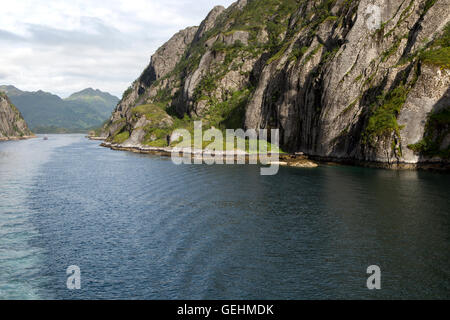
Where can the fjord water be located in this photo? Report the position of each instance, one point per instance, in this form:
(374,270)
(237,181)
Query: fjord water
(141,227)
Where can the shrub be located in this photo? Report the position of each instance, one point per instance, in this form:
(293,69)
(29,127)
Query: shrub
(383,120)
(121,137)
(439,51)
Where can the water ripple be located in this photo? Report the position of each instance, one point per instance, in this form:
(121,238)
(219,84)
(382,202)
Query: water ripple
(140,227)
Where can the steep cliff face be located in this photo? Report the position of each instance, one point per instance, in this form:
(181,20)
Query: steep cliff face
(12,124)
(346,79)
(148,87)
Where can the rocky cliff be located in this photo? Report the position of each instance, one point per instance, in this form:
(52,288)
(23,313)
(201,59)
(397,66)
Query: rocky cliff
(357,80)
(12,124)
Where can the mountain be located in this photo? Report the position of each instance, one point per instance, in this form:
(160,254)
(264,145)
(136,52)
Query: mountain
(101,102)
(360,81)
(46,112)
(12,124)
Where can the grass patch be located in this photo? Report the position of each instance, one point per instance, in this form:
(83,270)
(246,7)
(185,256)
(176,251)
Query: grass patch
(438,57)
(230,113)
(392,50)
(351,105)
(439,51)
(121,137)
(251,146)
(358,78)
(428,5)
(127,93)
(279,54)
(152,112)
(383,120)
(297,53)
(311,54)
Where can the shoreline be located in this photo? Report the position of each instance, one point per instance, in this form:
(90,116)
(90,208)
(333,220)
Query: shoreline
(17,138)
(441,166)
(294,160)
(300,161)
(96,138)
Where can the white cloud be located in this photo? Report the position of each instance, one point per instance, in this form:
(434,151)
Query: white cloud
(67,45)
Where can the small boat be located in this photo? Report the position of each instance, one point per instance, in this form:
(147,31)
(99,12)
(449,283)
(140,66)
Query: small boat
(45,138)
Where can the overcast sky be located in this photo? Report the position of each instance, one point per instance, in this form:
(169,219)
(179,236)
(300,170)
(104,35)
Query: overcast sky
(64,46)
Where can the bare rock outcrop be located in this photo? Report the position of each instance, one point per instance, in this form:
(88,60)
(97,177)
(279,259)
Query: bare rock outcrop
(12,124)
(162,63)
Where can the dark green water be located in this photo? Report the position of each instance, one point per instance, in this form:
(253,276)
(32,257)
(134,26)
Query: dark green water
(140,227)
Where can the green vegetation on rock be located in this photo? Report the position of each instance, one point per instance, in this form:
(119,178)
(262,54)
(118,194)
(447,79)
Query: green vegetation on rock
(230,113)
(439,52)
(161,124)
(383,119)
(121,137)
(151,111)
(439,57)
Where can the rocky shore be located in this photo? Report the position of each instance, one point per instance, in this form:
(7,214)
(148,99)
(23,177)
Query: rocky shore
(433,165)
(292,160)
(17,138)
(298,160)
(96,138)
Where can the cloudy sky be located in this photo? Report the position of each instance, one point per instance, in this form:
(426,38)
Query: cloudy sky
(63,46)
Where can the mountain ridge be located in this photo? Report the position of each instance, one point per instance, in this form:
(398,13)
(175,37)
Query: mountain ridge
(48,113)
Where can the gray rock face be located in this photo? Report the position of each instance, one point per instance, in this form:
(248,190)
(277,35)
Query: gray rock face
(324,104)
(162,62)
(209,22)
(12,124)
(431,93)
(166,57)
(342,80)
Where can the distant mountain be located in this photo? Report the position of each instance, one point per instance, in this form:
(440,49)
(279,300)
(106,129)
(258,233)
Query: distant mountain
(48,113)
(102,102)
